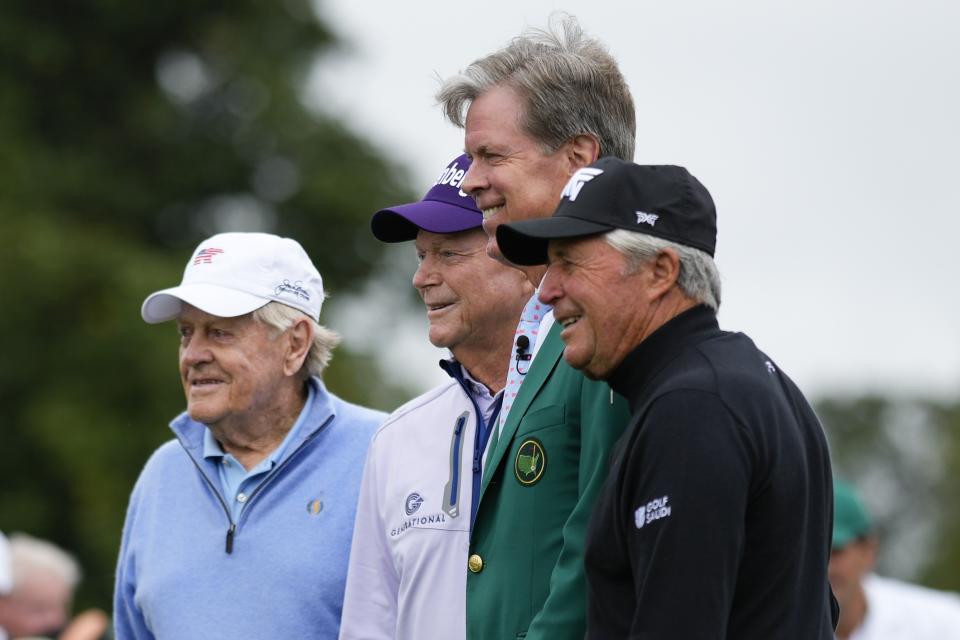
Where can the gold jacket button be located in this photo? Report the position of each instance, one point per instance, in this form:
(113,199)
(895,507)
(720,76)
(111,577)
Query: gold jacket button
(475,564)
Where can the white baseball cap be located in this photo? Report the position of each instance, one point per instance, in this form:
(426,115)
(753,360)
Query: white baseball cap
(232,274)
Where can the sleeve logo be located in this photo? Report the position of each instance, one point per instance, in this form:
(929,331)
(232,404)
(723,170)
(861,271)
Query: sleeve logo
(652,511)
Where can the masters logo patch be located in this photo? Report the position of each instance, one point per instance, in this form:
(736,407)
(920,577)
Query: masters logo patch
(531,462)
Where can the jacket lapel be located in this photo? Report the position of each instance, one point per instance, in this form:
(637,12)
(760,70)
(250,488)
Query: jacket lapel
(540,369)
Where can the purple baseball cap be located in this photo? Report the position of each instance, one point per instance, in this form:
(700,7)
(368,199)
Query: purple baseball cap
(445,209)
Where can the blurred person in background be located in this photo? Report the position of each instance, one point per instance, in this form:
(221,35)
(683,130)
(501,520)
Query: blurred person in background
(36,604)
(240,527)
(874,607)
(408,563)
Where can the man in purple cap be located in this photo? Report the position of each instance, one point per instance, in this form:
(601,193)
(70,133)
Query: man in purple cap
(420,490)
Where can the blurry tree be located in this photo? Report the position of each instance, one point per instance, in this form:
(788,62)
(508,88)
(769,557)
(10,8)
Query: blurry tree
(903,455)
(127,134)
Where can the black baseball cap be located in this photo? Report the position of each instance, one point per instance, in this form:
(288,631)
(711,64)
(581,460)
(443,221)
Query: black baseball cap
(659,200)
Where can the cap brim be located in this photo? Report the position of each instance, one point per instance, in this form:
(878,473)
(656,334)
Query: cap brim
(525,242)
(213,299)
(401,223)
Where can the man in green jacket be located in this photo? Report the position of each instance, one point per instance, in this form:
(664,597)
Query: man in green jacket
(535,112)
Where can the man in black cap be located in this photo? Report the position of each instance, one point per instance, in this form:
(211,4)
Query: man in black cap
(716,516)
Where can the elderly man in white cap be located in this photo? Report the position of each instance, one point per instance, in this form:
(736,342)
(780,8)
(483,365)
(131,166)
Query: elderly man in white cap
(241,526)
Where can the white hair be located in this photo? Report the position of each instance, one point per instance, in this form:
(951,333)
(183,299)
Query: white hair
(699,278)
(281,317)
(29,556)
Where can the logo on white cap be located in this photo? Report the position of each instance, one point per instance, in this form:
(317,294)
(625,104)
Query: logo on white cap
(294,288)
(576,182)
(205,256)
(232,274)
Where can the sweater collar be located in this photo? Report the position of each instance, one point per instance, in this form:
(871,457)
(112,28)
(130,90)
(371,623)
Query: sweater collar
(321,408)
(659,348)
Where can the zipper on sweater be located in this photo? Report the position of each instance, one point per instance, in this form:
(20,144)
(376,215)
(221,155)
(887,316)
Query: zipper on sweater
(232,529)
(277,469)
(216,492)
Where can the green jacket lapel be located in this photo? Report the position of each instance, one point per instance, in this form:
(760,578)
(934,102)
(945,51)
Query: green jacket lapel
(543,364)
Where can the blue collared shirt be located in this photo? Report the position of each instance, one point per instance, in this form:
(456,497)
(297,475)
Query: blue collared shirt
(235,481)
(480,394)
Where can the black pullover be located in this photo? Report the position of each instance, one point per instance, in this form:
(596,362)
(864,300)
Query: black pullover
(716,517)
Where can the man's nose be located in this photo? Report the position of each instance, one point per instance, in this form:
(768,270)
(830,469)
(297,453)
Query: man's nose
(475,180)
(551,288)
(425,275)
(195,351)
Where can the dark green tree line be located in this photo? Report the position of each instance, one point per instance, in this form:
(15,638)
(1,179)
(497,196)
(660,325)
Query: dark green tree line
(127,134)
(903,455)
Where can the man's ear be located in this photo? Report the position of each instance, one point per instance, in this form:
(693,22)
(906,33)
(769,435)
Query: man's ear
(582,150)
(664,270)
(299,340)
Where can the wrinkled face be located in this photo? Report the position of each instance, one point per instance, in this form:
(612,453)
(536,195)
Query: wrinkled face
(37,606)
(469,297)
(849,565)
(512,177)
(600,305)
(230,368)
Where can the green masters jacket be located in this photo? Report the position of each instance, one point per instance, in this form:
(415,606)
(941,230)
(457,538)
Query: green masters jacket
(526,577)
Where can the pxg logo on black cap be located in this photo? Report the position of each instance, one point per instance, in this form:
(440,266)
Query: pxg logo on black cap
(660,200)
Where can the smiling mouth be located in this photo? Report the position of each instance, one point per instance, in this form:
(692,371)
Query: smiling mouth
(489,212)
(569,322)
(204,382)
(439,306)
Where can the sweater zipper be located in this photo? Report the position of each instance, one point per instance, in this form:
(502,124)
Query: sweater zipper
(231,530)
(223,503)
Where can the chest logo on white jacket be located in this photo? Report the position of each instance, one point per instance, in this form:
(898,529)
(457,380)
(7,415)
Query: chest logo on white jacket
(414,500)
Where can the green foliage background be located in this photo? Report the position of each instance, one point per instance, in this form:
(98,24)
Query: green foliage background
(903,455)
(108,181)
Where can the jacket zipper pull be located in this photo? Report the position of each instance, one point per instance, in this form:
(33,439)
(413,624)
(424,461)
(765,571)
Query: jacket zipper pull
(230,531)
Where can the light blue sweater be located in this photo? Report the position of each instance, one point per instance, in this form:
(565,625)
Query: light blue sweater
(284,574)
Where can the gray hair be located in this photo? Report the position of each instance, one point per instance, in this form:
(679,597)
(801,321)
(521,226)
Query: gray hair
(570,85)
(699,278)
(29,556)
(281,317)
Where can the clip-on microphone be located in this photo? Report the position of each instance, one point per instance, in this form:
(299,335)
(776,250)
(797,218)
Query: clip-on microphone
(523,343)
